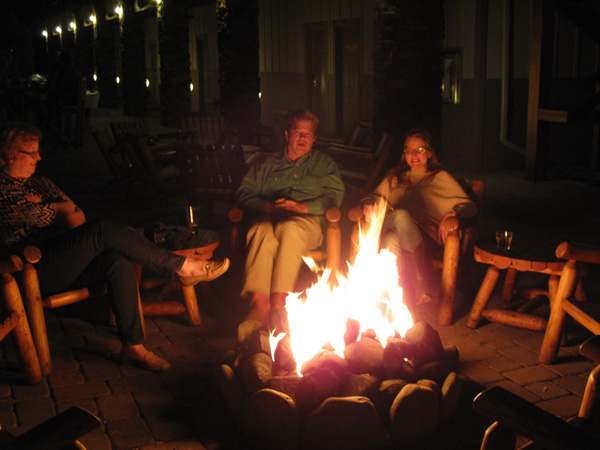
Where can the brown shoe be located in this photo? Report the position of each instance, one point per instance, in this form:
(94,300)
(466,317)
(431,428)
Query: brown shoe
(213,269)
(149,362)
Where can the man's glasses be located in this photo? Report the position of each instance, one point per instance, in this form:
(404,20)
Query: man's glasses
(418,151)
(32,154)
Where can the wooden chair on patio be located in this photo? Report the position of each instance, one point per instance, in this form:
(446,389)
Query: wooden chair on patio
(565,303)
(457,250)
(13,320)
(116,156)
(360,131)
(329,253)
(59,432)
(515,416)
(362,167)
(206,129)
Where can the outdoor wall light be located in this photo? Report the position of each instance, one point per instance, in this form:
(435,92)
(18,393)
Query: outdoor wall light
(118,79)
(147,82)
(95,77)
(191,87)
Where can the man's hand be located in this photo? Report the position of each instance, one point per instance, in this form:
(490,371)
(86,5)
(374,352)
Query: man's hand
(286,207)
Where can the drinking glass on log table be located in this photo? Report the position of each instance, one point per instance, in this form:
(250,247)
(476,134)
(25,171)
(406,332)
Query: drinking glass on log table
(530,251)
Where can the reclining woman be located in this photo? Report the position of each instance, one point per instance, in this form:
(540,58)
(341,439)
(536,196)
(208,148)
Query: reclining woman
(75,253)
(419,194)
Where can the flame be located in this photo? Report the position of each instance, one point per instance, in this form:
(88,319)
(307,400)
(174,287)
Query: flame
(369,294)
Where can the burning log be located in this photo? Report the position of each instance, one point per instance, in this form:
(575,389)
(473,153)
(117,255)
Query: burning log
(271,421)
(348,423)
(414,416)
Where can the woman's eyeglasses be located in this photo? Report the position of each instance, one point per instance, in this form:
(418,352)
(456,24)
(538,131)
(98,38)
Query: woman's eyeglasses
(418,151)
(32,154)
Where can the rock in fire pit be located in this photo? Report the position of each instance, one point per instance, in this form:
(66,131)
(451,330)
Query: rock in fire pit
(374,397)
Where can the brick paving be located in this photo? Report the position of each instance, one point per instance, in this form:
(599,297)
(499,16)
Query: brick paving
(182,408)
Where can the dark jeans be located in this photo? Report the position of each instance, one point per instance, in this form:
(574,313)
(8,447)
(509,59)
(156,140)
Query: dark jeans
(104,252)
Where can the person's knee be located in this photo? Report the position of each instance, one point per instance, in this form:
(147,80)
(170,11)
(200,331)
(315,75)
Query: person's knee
(402,219)
(115,263)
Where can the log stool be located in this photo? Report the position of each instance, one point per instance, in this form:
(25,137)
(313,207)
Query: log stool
(190,300)
(529,252)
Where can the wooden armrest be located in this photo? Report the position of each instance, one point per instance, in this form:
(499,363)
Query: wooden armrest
(532,422)
(58,432)
(349,151)
(568,250)
(333,215)
(235,215)
(10,263)
(350,148)
(591,349)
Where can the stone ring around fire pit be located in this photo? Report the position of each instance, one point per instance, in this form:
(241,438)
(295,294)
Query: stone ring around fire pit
(375,397)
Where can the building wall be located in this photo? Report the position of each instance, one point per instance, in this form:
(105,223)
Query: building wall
(284,81)
(487,129)
(203,31)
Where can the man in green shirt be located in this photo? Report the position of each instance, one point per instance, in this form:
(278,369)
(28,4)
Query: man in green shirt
(289,194)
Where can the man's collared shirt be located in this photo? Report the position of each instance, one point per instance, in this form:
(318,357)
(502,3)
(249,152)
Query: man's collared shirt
(313,179)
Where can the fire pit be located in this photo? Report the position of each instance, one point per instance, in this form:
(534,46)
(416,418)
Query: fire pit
(353,373)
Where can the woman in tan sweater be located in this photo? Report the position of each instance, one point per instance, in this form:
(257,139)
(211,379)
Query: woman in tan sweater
(419,194)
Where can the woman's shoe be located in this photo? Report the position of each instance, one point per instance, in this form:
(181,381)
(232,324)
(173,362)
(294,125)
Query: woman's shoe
(149,362)
(212,270)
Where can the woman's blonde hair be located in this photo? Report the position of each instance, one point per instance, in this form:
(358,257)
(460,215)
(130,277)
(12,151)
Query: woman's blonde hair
(13,135)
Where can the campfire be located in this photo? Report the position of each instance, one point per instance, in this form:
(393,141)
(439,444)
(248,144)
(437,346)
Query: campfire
(353,372)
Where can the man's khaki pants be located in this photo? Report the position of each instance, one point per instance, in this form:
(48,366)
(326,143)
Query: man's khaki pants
(275,249)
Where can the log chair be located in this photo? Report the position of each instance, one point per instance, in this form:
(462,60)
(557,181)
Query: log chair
(35,304)
(330,252)
(58,432)
(13,320)
(514,415)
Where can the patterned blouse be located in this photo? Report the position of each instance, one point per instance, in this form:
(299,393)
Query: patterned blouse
(25,213)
